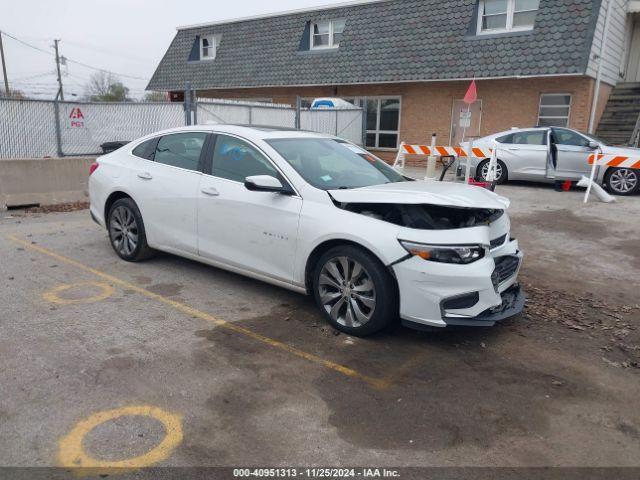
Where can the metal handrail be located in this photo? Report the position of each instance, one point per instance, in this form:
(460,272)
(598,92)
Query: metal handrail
(635,136)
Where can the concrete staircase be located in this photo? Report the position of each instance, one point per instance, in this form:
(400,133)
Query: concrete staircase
(621,117)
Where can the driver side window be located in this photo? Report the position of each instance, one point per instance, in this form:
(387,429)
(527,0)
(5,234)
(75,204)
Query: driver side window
(568,137)
(236,160)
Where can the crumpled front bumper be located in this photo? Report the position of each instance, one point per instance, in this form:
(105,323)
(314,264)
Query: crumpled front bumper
(479,294)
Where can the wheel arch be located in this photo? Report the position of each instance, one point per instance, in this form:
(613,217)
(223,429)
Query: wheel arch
(111,199)
(327,245)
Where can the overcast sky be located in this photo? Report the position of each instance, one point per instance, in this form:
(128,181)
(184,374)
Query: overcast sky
(124,36)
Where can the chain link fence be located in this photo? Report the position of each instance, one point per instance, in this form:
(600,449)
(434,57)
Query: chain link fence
(38,128)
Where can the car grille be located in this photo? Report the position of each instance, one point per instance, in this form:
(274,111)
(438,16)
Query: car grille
(506,267)
(497,242)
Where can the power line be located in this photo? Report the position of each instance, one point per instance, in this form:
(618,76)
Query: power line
(27,44)
(97,69)
(105,71)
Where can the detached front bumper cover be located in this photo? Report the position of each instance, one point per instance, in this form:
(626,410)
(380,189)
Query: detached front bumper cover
(513,301)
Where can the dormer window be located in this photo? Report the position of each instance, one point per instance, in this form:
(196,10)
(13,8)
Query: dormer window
(208,48)
(497,16)
(327,34)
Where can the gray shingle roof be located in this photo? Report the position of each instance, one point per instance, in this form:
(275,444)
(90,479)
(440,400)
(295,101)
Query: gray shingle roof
(389,41)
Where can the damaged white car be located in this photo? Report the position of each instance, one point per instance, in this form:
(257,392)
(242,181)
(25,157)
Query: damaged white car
(317,215)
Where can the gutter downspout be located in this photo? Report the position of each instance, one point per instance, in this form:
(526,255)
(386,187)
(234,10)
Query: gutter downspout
(596,94)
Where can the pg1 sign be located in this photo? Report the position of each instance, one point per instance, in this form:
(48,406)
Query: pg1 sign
(75,117)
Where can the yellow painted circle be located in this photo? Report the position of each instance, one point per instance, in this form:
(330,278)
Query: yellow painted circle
(71,452)
(53,295)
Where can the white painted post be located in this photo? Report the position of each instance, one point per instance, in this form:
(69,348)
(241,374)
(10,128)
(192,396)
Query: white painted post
(467,175)
(400,158)
(493,164)
(592,176)
(431,161)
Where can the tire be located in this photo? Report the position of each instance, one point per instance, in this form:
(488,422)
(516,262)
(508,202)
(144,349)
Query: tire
(359,305)
(622,181)
(483,167)
(124,216)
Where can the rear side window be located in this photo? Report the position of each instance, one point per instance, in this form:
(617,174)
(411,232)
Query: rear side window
(531,137)
(505,139)
(181,150)
(145,149)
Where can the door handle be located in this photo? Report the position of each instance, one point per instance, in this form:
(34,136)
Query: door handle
(145,176)
(210,191)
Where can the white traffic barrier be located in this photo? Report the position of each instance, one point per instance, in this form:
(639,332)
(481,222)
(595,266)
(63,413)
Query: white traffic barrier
(437,151)
(600,192)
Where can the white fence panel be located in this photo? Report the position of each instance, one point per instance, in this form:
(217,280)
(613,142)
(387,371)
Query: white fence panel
(274,117)
(85,126)
(27,129)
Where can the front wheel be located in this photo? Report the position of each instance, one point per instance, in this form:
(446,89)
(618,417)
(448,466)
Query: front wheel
(502,173)
(354,291)
(622,181)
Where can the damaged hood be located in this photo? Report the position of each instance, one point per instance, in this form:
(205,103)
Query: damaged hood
(445,194)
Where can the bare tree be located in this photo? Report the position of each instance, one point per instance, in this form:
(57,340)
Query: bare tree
(156,97)
(106,87)
(13,93)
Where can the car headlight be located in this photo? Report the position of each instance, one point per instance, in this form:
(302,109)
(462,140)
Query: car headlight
(459,254)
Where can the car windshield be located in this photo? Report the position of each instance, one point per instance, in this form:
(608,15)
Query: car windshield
(594,138)
(330,164)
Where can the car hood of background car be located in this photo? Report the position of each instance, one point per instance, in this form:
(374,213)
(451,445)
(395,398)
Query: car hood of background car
(620,151)
(432,193)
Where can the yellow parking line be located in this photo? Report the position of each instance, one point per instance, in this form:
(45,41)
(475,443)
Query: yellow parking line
(349,372)
(72,454)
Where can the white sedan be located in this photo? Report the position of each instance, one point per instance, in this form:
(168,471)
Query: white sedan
(317,215)
(549,154)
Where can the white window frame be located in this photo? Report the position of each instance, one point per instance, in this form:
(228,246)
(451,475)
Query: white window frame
(362,101)
(511,7)
(540,106)
(213,47)
(331,44)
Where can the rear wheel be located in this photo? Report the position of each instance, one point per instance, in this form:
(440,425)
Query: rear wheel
(622,181)
(501,171)
(126,231)
(354,291)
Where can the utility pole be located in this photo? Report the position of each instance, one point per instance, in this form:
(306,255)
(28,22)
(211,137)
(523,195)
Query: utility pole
(4,68)
(60,91)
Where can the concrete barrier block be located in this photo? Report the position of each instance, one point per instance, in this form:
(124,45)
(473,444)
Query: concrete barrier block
(46,181)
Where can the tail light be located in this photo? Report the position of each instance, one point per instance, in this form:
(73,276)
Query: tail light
(94,166)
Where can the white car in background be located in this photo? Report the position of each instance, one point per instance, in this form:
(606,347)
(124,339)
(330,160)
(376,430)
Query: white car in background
(549,154)
(317,215)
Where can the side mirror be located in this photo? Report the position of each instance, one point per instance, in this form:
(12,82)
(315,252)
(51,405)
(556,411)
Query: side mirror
(265,183)
(594,145)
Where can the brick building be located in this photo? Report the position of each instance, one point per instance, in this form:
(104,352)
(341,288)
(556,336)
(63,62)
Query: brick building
(410,62)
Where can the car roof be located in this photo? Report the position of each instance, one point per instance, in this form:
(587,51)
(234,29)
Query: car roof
(251,132)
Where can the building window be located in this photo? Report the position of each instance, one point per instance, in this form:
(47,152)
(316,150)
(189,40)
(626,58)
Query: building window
(327,34)
(555,109)
(383,119)
(495,16)
(383,122)
(207,48)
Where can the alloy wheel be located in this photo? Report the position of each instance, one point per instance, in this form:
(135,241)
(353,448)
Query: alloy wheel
(623,180)
(347,292)
(124,231)
(485,171)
